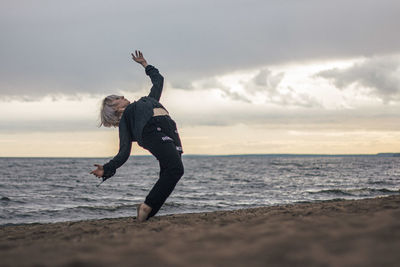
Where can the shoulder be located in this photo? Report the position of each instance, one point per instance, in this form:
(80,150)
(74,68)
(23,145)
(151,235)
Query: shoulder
(143,99)
(130,108)
(148,100)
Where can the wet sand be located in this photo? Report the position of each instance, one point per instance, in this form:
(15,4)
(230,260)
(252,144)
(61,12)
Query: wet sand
(334,233)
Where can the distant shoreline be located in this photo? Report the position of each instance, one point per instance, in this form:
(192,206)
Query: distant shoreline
(394,154)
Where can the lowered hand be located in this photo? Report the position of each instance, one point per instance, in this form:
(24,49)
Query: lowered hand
(99,172)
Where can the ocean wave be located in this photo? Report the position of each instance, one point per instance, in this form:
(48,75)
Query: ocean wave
(104,208)
(357,192)
(9,200)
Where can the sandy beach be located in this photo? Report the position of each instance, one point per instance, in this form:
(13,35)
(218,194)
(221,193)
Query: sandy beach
(333,233)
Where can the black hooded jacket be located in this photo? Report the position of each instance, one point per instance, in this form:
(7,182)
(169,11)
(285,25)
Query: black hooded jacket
(133,120)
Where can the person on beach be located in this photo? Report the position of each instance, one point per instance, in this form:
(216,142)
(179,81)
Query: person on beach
(147,122)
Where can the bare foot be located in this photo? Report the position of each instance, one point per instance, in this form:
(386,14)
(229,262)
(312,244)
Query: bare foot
(143,210)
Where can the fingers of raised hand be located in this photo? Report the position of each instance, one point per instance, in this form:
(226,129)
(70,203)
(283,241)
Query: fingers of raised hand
(137,56)
(138,53)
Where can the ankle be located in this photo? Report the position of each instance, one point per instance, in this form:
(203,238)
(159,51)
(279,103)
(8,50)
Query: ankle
(146,208)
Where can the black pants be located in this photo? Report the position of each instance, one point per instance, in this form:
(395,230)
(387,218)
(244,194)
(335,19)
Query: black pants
(161,138)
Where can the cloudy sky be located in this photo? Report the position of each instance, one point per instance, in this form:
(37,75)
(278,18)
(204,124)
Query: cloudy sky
(241,76)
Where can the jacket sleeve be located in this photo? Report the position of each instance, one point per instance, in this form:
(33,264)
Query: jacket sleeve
(125,145)
(158,81)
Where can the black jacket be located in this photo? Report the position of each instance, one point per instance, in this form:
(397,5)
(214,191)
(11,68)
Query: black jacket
(133,120)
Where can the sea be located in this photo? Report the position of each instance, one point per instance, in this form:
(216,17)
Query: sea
(46,190)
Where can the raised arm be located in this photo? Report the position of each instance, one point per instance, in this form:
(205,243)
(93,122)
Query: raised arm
(156,78)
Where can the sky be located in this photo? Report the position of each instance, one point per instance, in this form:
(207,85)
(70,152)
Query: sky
(241,77)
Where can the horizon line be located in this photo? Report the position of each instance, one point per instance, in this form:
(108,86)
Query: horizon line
(226,155)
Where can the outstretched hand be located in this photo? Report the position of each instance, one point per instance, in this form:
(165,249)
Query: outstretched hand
(139,58)
(99,172)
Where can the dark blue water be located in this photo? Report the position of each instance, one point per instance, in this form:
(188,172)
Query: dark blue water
(53,189)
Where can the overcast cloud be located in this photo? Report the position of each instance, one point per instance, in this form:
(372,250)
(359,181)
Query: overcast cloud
(69,47)
(265,88)
(380,76)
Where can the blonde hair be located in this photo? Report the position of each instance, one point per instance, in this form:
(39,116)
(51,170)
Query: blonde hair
(108,115)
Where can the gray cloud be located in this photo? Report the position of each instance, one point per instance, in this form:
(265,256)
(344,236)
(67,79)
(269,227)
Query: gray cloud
(365,119)
(267,80)
(380,75)
(236,96)
(265,84)
(63,47)
(292,98)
